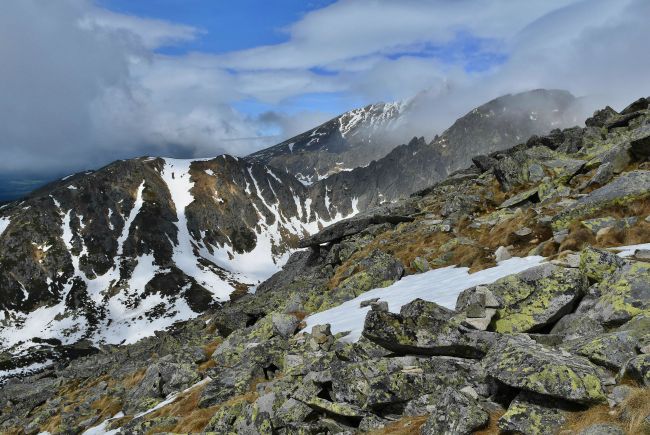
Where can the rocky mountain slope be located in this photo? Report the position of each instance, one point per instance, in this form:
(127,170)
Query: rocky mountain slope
(361,136)
(370,331)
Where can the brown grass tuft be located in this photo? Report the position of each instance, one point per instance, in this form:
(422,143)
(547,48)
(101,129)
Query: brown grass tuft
(134,378)
(107,406)
(629,415)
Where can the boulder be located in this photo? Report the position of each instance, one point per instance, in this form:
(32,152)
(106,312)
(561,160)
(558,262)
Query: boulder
(601,117)
(623,295)
(520,362)
(520,198)
(392,214)
(640,143)
(537,297)
(596,264)
(455,414)
(502,254)
(425,328)
(611,350)
(532,414)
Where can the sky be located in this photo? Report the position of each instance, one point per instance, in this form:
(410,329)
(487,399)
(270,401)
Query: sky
(85,82)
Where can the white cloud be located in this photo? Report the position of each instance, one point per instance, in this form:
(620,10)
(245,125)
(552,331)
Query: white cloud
(85,85)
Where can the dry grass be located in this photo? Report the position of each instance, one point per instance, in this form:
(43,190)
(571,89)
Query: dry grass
(107,406)
(191,418)
(493,424)
(404,426)
(134,378)
(210,347)
(629,415)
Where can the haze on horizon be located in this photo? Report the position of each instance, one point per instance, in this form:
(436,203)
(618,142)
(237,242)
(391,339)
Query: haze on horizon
(86,82)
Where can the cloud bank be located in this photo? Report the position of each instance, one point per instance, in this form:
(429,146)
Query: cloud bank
(81,85)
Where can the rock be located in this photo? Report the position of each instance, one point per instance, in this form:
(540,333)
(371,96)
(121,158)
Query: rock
(424,328)
(638,369)
(611,350)
(484,163)
(470,392)
(358,223)
(640,143)
(455,414)
(560,236)
(628,187)
(640,104)
(619,394)
(341,409)
(536,297)
(624,294)
(522,363)
(481,294)
(367,302)
(285,324)
(420,264)
(292,410)
(379,306)
(321,337)
(528,195)
(532,414)
(577,325)
(642,254)
(602,429)
(602,176)
(601,117)
(596,264)
(502,254)
(481,323)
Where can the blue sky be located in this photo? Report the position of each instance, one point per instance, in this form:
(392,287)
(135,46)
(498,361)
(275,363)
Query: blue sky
(229,26)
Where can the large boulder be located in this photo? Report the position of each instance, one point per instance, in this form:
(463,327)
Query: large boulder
(532,414)
(455,414)
(610,350)
(596,264)
(536,298)
(623,295)
(425,328)
(392,214)
(377,383)
(520,362)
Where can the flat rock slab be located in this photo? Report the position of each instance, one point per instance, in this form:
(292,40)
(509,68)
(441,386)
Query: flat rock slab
(520,362)
(354,225)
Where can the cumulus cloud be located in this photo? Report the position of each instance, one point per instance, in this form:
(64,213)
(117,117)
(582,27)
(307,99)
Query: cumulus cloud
(81,85)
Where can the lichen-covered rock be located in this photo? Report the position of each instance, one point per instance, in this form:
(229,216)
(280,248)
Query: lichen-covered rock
(425,328)
(536,297)
(611,350)
(520,362)
(532,414)
(596,264)
(377,383)
(624,294)
(455,414)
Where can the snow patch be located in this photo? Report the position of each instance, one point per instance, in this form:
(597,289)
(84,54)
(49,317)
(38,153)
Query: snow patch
(441,286)
(4,223)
